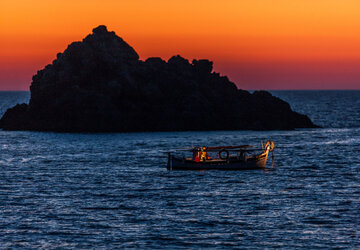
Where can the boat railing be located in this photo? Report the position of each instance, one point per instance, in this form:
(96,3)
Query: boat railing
(224,152)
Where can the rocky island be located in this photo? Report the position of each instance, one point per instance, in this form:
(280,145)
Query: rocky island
(100,85)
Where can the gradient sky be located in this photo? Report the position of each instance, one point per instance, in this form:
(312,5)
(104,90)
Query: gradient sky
(258,44)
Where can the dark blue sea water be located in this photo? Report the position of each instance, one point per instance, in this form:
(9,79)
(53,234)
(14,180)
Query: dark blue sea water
(113,190)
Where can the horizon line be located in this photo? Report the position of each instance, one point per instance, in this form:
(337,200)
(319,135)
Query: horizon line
(19,90)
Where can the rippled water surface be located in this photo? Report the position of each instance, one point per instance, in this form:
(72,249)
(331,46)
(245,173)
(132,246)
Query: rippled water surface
(113,190)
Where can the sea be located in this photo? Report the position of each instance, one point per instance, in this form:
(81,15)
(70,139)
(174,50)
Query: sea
(112,190)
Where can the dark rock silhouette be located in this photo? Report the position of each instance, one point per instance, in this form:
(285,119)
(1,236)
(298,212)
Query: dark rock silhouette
(100,85)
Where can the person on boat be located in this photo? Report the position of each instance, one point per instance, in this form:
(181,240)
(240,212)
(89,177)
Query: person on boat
(204,155)
(196,154)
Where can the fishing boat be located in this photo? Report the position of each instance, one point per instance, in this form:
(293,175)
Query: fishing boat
(221,157)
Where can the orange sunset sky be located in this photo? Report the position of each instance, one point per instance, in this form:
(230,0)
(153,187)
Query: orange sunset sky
(258,44)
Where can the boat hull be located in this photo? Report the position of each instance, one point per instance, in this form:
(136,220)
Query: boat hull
(253,162)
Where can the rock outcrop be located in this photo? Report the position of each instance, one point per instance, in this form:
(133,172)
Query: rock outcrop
(100,85)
